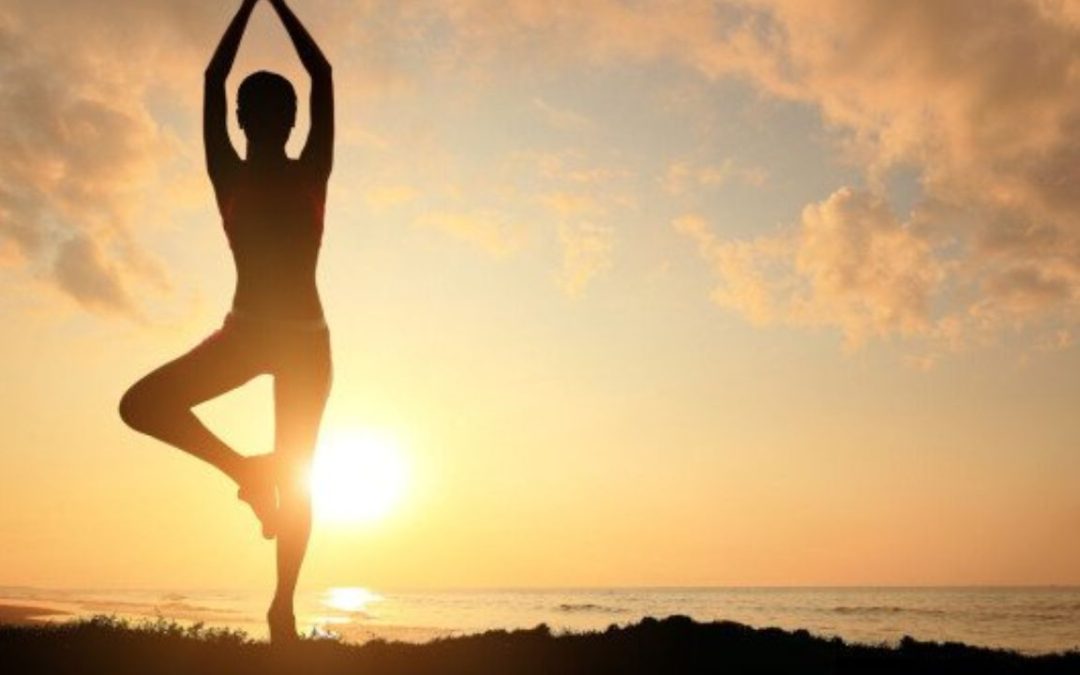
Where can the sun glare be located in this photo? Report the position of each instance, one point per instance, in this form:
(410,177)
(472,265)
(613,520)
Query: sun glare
(357,477)
(353,599)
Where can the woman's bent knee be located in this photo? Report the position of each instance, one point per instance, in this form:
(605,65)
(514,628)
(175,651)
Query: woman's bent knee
(140,406)
(132,408)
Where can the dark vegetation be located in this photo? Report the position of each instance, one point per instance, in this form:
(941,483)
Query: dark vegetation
(677,644)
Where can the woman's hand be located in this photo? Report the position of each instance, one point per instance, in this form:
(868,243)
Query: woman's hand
(310,54)
(221,157)
(318,153)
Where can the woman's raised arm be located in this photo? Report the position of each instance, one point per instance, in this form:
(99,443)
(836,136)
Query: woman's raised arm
(221,156)
(319,150)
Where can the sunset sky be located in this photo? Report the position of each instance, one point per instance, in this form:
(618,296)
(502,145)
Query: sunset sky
(730,292)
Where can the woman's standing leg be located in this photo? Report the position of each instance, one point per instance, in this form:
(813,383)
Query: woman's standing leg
(301,388)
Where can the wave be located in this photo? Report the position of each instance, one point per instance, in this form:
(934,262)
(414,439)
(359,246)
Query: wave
(589,607)
(1058,607)
(187,607)
(887,609)
(150,608)
(350,614)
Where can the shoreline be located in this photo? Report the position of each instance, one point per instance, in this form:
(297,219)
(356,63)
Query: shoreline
(1031,623)
(676,644)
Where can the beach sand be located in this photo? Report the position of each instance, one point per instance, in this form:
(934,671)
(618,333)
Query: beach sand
(22,615)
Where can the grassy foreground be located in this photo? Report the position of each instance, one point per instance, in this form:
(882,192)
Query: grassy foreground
(677,644)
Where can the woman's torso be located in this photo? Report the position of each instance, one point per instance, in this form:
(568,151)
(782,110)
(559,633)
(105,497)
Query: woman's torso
(273,218)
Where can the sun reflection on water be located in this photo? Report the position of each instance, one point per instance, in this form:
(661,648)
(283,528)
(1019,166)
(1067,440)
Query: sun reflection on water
(355,599)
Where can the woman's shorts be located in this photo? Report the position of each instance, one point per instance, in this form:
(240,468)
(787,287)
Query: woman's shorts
(295,351)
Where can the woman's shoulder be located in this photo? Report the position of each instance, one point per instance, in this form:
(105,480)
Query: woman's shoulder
(289,177)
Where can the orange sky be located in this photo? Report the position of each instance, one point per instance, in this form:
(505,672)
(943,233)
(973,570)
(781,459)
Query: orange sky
(655,293)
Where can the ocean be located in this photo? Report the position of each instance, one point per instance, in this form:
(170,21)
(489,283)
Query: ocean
(1029,620)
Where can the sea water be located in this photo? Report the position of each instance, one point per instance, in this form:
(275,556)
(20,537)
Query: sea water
(1030,620)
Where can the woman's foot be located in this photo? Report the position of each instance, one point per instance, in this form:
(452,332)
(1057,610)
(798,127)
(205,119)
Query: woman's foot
(282,623)
(258,489)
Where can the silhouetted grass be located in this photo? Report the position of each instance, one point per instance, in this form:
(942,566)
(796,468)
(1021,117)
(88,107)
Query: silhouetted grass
(677,644)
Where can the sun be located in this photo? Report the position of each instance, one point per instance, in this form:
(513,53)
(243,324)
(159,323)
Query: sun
(357,477)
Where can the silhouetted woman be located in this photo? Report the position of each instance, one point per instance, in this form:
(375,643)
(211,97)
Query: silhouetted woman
(272,210)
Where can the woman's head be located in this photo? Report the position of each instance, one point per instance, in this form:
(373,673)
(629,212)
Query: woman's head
(266,108)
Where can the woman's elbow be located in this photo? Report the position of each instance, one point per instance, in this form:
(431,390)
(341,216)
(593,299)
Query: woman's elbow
(322,70)
(214,74)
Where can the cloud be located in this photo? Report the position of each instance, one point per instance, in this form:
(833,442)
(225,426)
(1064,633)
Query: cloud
(574,196)
(572,204)
(382,197)
(982,100)
(586,243)
(563,32)
(83,148)
(571,167)
(746,282)
(682,176)
(561,118)
(979,99)
(490,231)
(867,273)
(849,264)
(981,96)
(586,253)
(82,271)
(79,146)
